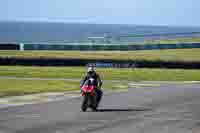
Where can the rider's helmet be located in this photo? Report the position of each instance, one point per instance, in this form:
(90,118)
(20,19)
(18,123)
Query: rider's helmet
(91,69)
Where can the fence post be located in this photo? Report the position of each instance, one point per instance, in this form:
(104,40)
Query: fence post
(21,47)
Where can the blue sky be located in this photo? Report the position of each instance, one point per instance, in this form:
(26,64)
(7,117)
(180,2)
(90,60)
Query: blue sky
(145,12)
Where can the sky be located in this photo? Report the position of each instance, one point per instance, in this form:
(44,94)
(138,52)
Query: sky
(140,12)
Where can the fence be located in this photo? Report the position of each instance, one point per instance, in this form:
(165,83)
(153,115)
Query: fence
(98,63)
(95,47)
(99,47)
(8,46)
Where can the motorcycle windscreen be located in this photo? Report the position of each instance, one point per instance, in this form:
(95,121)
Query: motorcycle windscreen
(87,88)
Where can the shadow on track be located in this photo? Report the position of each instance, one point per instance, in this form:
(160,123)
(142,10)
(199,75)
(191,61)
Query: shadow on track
(124,110)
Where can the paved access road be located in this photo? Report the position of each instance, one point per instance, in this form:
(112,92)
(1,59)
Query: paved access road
(168,108)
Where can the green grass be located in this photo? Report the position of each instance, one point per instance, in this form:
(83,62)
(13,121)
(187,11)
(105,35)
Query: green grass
(165,55)
(17,87)
(175,41)
(13,87)
(10,87)
(106,73)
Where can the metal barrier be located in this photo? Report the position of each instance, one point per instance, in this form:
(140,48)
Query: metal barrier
(98,47)
(8,46)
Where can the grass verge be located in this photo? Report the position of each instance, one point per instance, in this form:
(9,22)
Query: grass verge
(175,41)
(126,74)
(13,87)
(17,87)
(152,55)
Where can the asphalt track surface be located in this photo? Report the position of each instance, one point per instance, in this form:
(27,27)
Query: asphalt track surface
(169,108)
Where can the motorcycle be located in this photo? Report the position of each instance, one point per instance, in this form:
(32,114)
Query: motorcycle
(89,96)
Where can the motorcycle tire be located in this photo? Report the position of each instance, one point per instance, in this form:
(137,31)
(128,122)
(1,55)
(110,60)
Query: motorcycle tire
(93,104)
(84,103)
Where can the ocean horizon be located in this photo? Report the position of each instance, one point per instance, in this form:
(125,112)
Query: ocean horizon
(57,32)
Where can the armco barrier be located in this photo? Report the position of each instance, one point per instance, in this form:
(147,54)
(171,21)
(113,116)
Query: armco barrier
(124,47)
(7,46)
(99,63)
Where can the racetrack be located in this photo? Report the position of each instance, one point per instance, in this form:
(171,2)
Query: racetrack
(168,108)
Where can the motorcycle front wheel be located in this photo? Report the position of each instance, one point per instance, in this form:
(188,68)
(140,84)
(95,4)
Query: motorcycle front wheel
(93,103)
(84,103)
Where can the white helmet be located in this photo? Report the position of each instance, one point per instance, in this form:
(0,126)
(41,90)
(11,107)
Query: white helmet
(90,69)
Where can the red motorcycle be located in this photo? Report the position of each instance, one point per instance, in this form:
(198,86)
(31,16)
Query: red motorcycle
(89,96)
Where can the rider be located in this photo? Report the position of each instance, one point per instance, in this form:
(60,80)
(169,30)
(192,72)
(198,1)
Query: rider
(97,81)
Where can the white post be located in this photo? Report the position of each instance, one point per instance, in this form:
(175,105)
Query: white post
(21,47)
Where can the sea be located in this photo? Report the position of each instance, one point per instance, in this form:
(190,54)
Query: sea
(49,32)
